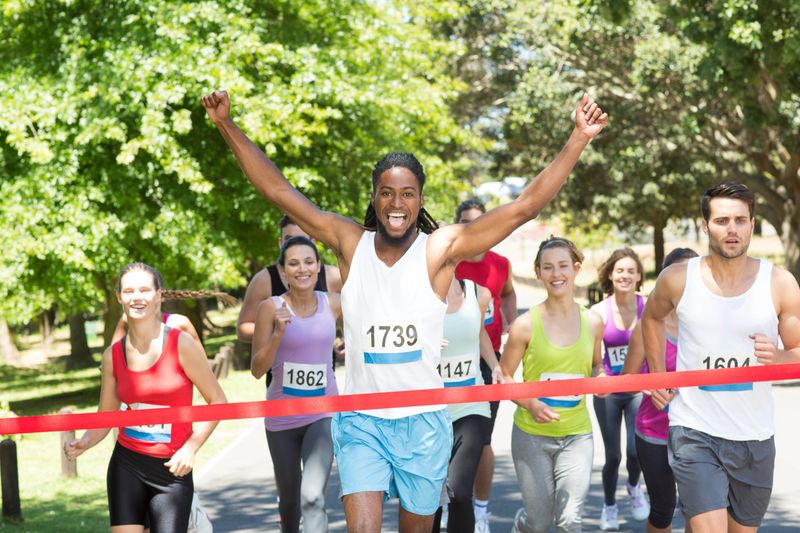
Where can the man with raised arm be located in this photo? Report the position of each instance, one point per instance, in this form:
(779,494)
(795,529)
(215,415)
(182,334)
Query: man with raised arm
(731,310)
(396,269)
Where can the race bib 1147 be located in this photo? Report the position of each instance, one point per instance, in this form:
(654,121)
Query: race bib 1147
(148,432)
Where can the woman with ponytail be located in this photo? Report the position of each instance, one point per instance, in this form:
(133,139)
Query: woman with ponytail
(153,366)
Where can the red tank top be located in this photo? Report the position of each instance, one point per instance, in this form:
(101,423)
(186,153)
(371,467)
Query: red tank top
(491,272)
(164,384)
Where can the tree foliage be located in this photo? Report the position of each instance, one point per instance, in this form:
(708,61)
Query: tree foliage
(107,157)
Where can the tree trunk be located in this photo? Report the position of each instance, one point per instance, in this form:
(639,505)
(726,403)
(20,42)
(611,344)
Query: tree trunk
(112,312)
(8,350)
(46,320)
(80,354)
(790,236)
(658,245)
(194,310)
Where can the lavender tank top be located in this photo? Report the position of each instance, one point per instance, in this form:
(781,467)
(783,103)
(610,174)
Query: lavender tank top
(616,340)
(652,424)
(303,365)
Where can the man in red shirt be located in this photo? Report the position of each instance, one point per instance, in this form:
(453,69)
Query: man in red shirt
(492,271)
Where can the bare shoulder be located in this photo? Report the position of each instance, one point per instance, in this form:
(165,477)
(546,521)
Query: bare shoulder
(522,326)
(596,323)
(784,286)
(440,242)
(598,309)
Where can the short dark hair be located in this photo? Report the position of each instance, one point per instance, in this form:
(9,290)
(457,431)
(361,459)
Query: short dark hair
(678,254)
(286,220)
(297,240)
(466,205)
(605,269)
(728,189)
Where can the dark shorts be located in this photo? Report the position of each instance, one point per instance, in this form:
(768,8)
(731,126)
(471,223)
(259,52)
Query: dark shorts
(141,490)
(486,372)
(715,473)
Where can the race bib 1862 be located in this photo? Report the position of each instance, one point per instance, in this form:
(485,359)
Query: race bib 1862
(149,432)
(301,379)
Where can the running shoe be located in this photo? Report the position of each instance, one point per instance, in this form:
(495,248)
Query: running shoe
(640,507)
(609,518)
(514,528)
(443,521)
(482,523)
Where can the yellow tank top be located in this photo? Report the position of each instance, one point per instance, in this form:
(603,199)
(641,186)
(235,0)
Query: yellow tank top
(543,361)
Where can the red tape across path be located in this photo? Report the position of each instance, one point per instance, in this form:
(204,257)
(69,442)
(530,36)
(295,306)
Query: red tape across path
(383,400)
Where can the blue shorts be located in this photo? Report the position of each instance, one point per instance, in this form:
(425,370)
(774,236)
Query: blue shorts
(405,457)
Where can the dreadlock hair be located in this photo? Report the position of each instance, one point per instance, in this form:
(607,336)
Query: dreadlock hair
(466,205)
(179,294)
(605,269)
(558,242)
(425,222)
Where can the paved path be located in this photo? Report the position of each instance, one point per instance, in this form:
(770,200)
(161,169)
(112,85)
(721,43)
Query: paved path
(238,489)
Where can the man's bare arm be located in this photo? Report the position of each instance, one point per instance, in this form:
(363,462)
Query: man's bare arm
(492,227)
(338,232)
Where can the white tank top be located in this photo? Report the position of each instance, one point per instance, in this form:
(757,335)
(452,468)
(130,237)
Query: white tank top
(393,324)
(713,333)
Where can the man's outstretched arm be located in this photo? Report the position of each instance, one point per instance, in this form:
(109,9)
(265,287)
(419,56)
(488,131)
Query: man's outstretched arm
(336,231)
(489,229)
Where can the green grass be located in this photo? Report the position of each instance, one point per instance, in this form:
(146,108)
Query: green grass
(51,502)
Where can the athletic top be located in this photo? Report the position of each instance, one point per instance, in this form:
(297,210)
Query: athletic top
(461,357)
(652,424)
(544,361)
(713,332)
(164,384)
(392,325)
(279,288)
(303,366)
(616,340)
(491,272)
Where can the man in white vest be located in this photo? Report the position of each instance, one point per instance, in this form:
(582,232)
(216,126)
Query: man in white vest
(732,310)
(397,268)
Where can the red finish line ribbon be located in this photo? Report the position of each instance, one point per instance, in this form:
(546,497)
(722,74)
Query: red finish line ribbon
(383,400)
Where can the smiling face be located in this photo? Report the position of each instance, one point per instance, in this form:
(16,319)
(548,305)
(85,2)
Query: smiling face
(729,227)
(300,267)
(397,200)
(138,295)
(557,270)
(625,275)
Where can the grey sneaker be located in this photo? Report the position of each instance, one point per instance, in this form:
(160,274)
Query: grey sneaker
(609,518)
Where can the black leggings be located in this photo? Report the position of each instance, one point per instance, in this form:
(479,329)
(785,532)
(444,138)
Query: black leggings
(470,435)
(142,490)
(660,481)
(302,488)
(609,413)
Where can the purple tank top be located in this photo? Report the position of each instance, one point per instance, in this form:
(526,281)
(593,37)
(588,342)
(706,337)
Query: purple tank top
(651,423)
(303,365)
(616,340)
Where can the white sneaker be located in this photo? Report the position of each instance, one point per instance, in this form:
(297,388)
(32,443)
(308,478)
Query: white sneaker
(640,507)
(514,528)
(443,521)
(482,524)
(609,518)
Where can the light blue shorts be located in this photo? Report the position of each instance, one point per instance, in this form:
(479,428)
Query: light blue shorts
(404,457)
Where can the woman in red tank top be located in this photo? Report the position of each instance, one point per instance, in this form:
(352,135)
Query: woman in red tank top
(153,366)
